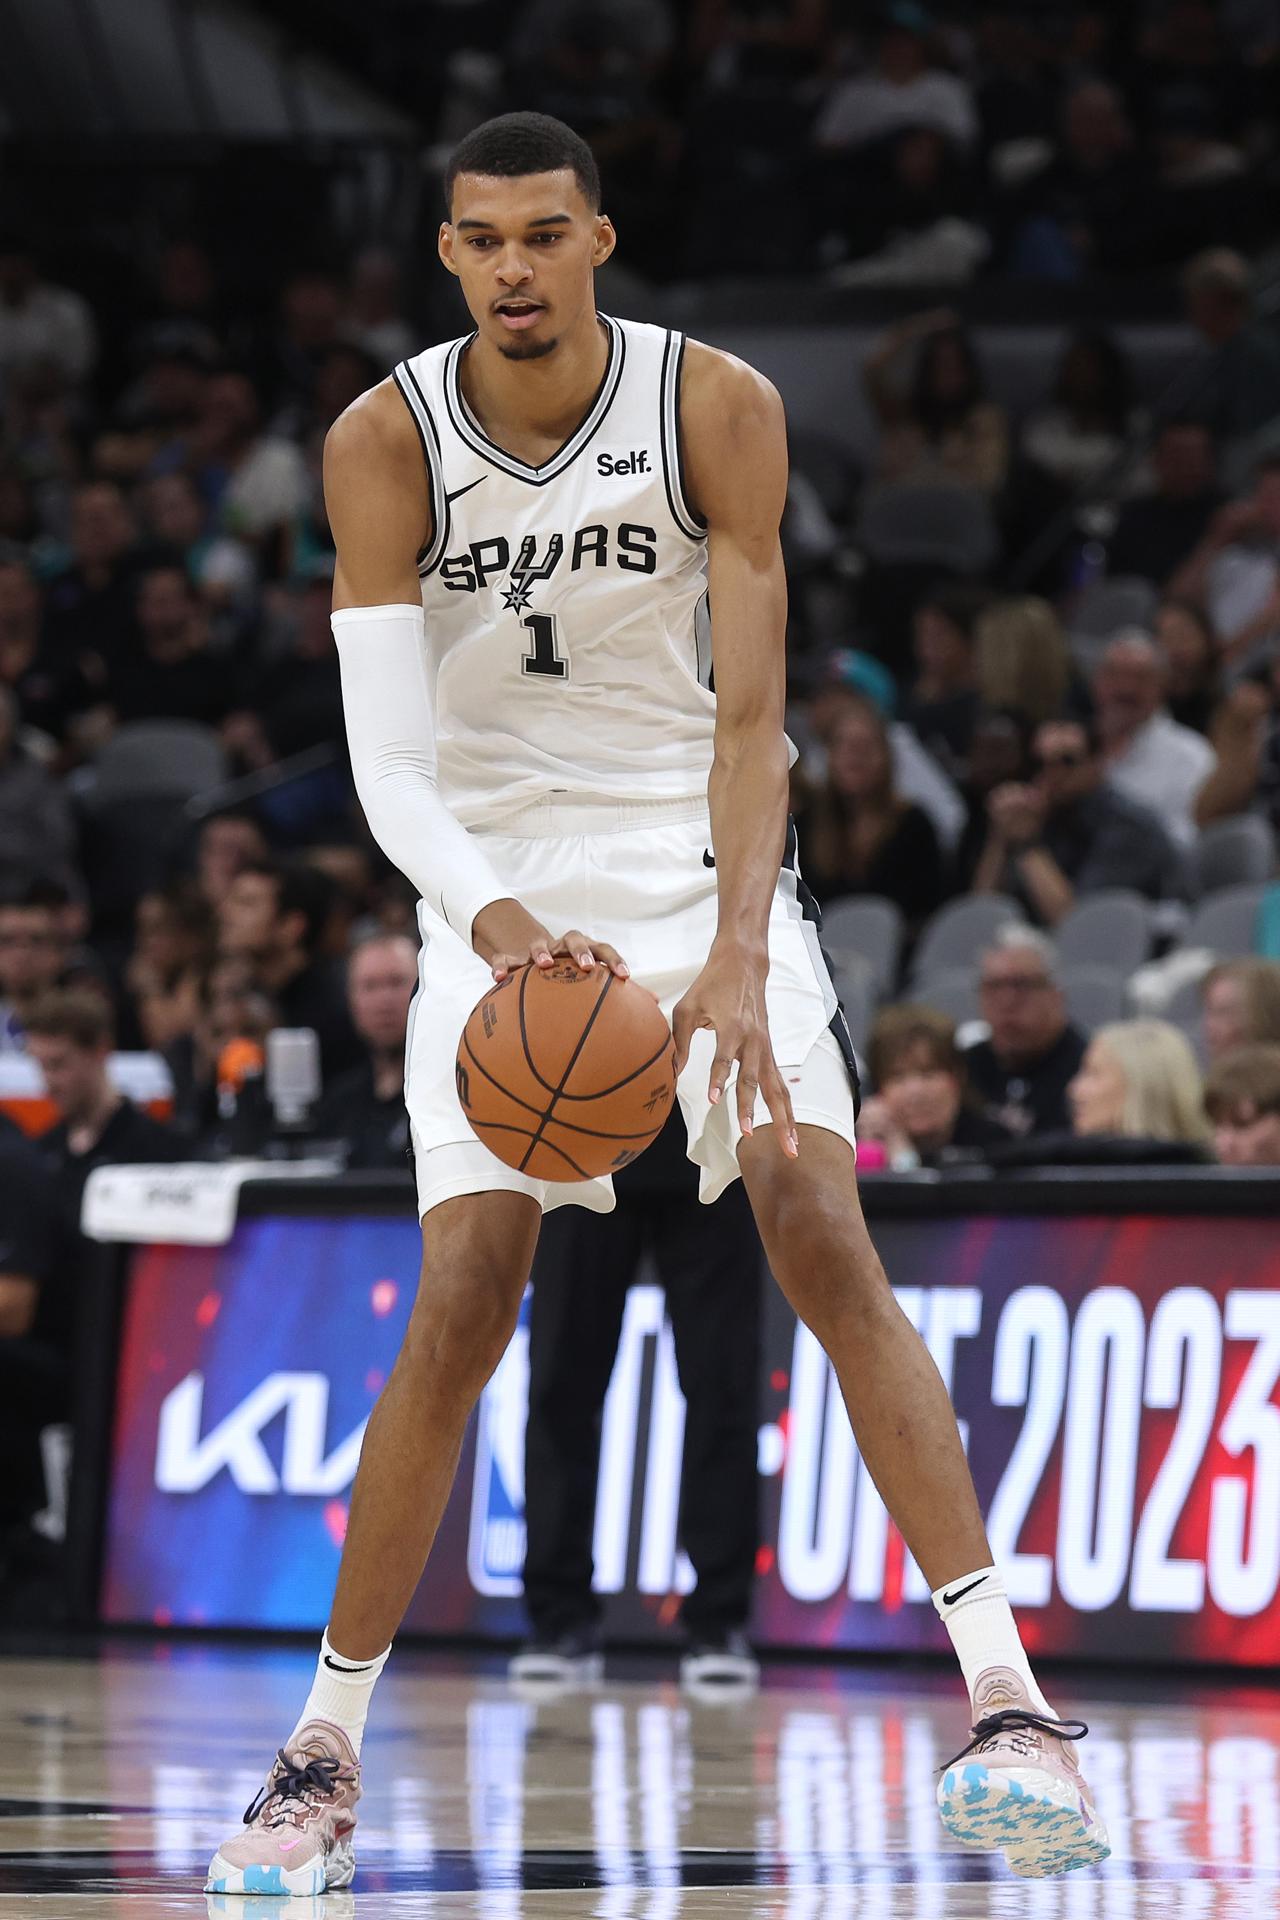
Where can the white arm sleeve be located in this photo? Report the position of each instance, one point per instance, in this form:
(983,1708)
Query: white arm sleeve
(391,733)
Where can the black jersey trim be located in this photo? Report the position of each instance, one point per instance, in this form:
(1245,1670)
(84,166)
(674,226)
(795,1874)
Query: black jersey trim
(411,393)
(468,428)
(669,436)
(838,1026)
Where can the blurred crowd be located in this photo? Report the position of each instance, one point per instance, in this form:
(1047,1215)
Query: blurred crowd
(895,143)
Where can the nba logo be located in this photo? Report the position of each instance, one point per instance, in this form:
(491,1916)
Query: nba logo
(495,1536)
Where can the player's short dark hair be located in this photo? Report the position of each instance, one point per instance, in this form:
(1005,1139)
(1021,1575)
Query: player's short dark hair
(515,144)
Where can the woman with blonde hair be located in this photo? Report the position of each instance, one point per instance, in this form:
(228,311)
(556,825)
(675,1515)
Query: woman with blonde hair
(1139,1081)
(1024,663)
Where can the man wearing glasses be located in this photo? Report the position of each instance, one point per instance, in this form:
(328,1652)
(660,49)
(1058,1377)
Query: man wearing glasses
(1068,832)
(1019,1075)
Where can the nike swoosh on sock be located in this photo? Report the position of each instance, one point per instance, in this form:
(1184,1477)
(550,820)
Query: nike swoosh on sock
(337,1668)
(950,1599)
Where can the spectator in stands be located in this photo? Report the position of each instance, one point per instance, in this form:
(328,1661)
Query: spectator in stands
(920,1110)
(221,568)
(365,1108)
(227,843)
(1242,1099)
(1240,1000)
(35,1332)
(905,86)
(308,321)
(999,753)
(1235,569)
(172,950)
(1070,832)
(1139,1081)
(90,604)
(1089,209)
(41,325)
(225,1046)
(275,916)
(1243,383)
(1245,736)
(1148,755)
(376,320)
(1078,438)
(70,1036)
(1024,663)
(1157,530)
(1020,1073)
(47,687)
(859,835)
(937,423)
(1192,674)
(255,483)
(944,703)
(170,673)
(33,958)
(913,224)
(37,832)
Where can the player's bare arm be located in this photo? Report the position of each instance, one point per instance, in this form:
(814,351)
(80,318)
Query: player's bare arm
(735,447)
(379,508)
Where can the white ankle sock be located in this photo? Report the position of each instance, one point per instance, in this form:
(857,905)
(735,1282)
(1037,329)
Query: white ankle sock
(341,1692)
(974,1609)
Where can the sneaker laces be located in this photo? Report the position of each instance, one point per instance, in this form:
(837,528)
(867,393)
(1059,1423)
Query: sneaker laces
(1015,1720)
(320,1777)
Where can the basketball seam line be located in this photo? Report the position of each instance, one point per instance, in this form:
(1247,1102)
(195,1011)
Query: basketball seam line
(568,1126)
(501,1126)
(582,1041)
(558,1093)
(485,1074)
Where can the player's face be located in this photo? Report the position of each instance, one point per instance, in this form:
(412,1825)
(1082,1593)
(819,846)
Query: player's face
(525,251)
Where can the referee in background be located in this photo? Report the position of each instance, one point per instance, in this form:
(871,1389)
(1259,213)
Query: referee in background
(709,1263)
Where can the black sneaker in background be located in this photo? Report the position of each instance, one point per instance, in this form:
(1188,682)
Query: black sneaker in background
(720,1660)
(573,1658)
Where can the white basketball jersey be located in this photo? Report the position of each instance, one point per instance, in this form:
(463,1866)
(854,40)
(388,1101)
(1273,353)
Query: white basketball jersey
(566,605)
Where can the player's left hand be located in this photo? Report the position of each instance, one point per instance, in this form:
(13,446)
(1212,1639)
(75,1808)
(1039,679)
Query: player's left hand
(728,997)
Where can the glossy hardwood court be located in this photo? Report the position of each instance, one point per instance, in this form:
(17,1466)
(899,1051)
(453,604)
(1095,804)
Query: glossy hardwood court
(811,1800)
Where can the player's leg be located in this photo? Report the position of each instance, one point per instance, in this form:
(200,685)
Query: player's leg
(709,1264)
(584,1264)
(1018,1786)
(476,1252)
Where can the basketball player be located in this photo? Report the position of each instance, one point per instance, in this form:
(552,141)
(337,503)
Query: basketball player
(567,495)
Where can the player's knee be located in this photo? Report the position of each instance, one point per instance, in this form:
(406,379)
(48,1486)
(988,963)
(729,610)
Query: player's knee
(460,1328)
(823,1259)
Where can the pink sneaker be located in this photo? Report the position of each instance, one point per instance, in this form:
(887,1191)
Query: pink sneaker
(1018,1785)
(297,1835)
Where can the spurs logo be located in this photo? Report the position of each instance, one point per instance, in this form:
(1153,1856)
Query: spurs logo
(528,569)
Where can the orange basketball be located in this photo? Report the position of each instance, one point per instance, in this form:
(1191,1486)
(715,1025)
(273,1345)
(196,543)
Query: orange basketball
(566,1075)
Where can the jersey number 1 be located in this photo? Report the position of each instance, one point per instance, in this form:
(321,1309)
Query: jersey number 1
(544,656)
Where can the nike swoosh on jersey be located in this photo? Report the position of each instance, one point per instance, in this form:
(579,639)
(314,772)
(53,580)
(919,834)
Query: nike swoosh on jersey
(708,858)
(451,497)
(949,1599)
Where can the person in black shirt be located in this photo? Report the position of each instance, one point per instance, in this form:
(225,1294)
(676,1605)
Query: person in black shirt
(708,1260)
(34,1335)
(168,672)
(365,1108)
(276,915)
(1156,531)
(69,1035)
(1021,1072)
(1069,832)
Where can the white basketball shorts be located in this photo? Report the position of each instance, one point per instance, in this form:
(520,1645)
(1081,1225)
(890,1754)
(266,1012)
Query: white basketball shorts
(640,875)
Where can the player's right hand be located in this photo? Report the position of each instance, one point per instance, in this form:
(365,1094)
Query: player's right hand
(507,937)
